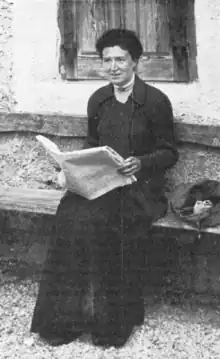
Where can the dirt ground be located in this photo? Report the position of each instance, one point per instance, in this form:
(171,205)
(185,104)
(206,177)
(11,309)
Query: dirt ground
(171,329)
(176,326)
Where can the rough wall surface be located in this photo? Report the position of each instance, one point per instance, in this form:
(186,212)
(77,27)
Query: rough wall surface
(38,89)
(208,38)
(44,92)
(6,58)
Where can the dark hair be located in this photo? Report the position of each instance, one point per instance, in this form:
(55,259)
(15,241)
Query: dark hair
(126,39)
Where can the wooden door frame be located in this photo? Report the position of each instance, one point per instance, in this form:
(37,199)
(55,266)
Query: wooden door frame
(182,37)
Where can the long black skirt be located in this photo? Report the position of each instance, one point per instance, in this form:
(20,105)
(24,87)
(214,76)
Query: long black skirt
(93,275)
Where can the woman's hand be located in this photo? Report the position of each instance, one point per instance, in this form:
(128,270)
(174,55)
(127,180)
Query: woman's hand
(61,178)
(130,167)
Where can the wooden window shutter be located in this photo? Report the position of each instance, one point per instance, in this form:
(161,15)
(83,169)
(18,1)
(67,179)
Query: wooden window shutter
(157,23)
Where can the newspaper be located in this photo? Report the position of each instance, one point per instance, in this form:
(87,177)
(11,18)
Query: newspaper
(89,172)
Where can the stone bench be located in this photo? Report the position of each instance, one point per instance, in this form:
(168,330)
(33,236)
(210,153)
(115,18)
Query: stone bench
(26,215)
(41,203)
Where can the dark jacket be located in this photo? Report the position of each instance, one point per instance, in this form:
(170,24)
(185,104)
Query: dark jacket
(93,277)
(152,129)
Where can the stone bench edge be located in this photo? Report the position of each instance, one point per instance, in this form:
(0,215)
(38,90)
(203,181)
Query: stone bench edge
(32,203)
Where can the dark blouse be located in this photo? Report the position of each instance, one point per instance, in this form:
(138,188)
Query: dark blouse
(142,127)
(115,129)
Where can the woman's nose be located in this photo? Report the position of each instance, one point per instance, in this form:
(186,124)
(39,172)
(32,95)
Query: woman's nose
(113,65)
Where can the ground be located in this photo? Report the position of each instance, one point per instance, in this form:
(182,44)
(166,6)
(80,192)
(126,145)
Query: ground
(177,325)
(171,329)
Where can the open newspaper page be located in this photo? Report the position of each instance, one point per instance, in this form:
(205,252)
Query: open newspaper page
(89,172)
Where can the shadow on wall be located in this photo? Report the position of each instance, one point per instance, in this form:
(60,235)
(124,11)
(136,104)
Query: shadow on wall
(183,36)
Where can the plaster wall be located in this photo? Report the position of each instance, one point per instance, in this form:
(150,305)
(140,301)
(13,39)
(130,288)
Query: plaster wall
(6,61)
(38,87)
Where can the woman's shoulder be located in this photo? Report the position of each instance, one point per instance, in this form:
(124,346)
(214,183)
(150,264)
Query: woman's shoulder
(99,96)
(154,94)
(149,94)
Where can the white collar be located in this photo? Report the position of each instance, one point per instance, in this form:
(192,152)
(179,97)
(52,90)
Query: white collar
(127,87)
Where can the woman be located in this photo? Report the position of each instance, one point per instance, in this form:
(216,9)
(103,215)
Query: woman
(92,279)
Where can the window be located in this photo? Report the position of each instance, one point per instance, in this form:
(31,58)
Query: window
(166,29)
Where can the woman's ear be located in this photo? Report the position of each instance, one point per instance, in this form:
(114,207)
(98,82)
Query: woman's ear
(135,64)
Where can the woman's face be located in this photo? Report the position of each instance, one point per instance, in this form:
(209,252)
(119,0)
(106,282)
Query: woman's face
(118,65)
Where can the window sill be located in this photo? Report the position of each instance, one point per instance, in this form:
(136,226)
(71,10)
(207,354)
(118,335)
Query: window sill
(188,100)
(193,129)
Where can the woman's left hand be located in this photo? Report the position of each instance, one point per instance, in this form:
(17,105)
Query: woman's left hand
(130,167)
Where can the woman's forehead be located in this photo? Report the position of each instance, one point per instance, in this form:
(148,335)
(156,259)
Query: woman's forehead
(115,51)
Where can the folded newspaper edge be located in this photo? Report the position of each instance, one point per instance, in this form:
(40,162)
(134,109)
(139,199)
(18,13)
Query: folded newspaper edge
(89,172)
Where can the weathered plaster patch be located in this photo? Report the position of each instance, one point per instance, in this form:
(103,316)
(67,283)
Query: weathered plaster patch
(6,60)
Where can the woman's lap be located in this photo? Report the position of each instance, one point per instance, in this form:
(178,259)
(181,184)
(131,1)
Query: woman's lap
(84,277)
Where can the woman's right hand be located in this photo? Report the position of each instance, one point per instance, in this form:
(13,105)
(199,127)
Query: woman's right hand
(61,178)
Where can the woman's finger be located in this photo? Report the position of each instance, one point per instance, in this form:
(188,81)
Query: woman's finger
(129,170)
(126,166)
(129,160)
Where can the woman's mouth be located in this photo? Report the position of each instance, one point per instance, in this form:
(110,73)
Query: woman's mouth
(115,75)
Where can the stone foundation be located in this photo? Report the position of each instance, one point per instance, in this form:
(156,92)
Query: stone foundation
(174,266)
(173,260)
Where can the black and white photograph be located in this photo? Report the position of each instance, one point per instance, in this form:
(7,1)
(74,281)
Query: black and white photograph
(109,179)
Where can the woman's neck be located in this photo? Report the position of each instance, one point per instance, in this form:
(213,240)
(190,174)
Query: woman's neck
(123,92)
(126,87)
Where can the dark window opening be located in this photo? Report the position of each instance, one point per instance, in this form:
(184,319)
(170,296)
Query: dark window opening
(166,29)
